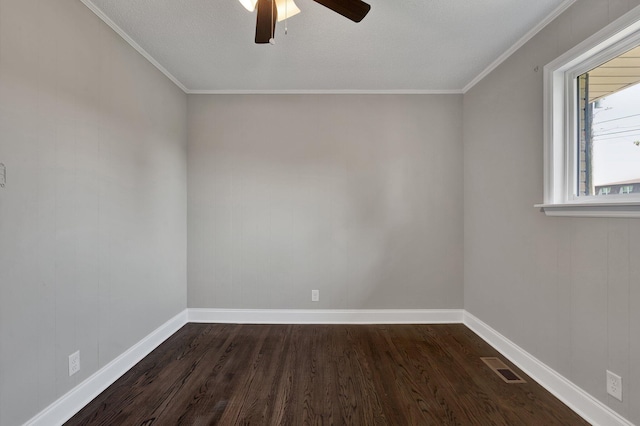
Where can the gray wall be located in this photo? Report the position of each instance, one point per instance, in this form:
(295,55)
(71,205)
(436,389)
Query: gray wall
(357,196)
(360,197)
(565,289)
(93,217)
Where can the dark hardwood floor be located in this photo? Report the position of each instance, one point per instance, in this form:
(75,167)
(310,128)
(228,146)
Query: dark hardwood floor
(231,374)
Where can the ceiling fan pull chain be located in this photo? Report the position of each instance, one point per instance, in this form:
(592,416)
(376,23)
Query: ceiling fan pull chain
(272,40)
(286,17)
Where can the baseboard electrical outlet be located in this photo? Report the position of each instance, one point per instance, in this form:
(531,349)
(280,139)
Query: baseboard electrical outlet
(591,409)
(614,385)
(74,363)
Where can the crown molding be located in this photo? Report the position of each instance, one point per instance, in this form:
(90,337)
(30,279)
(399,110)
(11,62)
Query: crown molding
(100,14)
(324,92)
(528,36)
(518,44)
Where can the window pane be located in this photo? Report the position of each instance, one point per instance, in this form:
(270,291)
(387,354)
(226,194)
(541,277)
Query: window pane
(609,127)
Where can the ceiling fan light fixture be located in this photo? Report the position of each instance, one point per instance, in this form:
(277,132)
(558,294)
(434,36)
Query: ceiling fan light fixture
(286,9)
(250,5)
(272,11)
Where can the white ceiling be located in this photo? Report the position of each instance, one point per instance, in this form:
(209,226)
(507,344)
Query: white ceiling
(400,46)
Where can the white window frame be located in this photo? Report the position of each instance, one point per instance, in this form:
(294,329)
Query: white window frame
(560,118)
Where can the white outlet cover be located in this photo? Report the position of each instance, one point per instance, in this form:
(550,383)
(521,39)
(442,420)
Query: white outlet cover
(315,295)
(74,363)
(614,385)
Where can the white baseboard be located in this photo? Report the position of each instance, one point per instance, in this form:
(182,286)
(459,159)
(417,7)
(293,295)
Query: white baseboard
(578,400)
(326,316)
(589,408)
(73,401)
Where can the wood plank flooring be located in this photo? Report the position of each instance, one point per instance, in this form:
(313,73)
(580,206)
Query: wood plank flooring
(230,374)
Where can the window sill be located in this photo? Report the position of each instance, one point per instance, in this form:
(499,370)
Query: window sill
(603,209)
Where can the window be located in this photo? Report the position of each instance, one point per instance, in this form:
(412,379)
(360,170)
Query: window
(608,111)
(592,125)
(626,189)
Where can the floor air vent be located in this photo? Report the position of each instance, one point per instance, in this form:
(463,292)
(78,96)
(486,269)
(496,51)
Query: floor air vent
(502,370)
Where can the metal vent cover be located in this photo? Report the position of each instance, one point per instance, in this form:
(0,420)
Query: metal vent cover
(502,370)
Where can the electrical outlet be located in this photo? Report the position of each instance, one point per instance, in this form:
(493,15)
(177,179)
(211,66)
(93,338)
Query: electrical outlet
(3,175)
(614,385)
(315,295)
(74,363)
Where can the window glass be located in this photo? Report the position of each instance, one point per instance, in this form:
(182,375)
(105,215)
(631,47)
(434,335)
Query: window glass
(609,127)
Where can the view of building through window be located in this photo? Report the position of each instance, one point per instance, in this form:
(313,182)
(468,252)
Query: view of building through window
(609,127)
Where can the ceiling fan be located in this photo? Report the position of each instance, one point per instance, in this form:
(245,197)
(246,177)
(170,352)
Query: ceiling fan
(272,11)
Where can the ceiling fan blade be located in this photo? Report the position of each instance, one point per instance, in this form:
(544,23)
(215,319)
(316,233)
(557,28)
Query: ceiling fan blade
(352,9)
(266,20)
